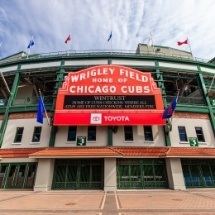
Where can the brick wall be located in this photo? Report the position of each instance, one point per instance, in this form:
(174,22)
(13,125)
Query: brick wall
(29,115)
(191,115)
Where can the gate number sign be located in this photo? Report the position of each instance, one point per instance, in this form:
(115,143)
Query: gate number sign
(81,141)
(193,141)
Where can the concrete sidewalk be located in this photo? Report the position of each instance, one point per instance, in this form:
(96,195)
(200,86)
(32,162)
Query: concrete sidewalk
(84,202)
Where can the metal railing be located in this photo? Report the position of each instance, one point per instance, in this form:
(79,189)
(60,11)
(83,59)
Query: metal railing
(70,53)
(27,101)
(31,101)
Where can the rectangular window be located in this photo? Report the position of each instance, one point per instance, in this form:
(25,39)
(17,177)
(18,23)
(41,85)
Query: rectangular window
(199,134)
(19,133)
(91,136)
(148,133)
(37,134)
(128,133)
(182,133)
(72,132)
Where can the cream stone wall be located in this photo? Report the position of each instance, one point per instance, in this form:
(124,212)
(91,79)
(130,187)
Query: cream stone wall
(18,160)
(61,136)
(139,140)
(28,124)
(190,124)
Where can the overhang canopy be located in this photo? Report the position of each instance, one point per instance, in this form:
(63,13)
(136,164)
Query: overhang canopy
(72,152)
(18,152)
(117,152)
(141,151)
(190,152)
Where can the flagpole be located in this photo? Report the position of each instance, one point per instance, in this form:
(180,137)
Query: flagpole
(67,41)
(70,44)
(31,43)
(152,43)
(189,46)
(148,47)
(171,118)
(111,32)
(45,109)
(110,38)
(111,45)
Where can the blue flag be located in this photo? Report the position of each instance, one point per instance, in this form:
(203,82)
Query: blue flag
(110,36)
(170,109)
(31,43)
(40,110)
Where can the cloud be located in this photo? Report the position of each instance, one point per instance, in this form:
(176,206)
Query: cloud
(90,23)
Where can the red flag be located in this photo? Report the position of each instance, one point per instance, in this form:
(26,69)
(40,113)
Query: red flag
(184,42)
(68,39)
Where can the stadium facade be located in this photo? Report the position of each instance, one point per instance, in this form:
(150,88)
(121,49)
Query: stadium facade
(103,125)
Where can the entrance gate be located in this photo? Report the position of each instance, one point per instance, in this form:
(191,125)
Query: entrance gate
(78,174)
(141,173)
(199,172)
(17,175)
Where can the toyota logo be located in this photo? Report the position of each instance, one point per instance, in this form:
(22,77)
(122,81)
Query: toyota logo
(96,118)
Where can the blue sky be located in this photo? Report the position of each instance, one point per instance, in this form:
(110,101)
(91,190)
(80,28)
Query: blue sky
(89,22)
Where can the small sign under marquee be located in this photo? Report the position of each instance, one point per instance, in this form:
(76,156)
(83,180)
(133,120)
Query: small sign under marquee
(193,141)
(81,140)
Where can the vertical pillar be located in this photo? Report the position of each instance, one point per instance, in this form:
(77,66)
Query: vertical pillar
(109,61)
(110,128)
(175,174)
(44,176)
(211,114)
(110,174)
(160,83)
(9,103)
(59,81)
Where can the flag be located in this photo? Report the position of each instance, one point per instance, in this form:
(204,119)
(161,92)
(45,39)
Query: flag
(40,110)
(110,36)
(184,42)
(31,43)
(170,109)
(68,39)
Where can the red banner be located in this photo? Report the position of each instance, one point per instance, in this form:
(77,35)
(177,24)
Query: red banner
(68,119)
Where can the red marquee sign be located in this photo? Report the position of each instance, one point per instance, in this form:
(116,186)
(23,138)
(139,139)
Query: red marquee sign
(109,95)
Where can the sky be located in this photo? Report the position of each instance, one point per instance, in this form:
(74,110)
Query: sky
(90,22)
